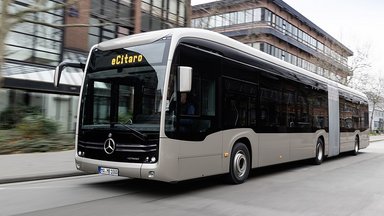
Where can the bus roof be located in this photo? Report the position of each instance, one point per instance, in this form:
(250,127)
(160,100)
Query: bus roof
(179,33)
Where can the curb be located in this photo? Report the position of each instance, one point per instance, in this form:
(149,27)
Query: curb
(378,140)
(40,177)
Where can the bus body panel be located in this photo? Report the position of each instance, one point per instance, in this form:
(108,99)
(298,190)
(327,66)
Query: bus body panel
(166,169)
(302,146)
(347,141)
(230,137)
(364,139)
(273,148)
(200,158)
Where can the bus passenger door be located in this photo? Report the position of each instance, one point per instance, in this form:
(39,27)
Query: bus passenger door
(195,128)
(200,153)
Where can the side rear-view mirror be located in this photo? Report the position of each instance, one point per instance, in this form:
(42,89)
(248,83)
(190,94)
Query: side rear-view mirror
(59,69)
(185,78)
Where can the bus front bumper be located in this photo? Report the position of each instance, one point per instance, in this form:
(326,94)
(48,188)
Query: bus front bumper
(131,170)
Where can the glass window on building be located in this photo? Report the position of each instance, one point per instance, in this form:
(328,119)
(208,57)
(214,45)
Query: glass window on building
(300,35)
(212,22)
(93,32)
(219,20)
(110,9)
(198,23)
(294,60)
(320,71)
(257,14)
(226,19)
(294,32)
(283,55)
(146,6)
(288,28)
(240,17)
(204,22)
(122,31)
(273,20)
(233,18)
(249,16)
(182,13)
(299,62)
(172,10)
(327,51)
(256,45)
(35,43)
(288,57)
(320,46)
(156,8)
(304,37)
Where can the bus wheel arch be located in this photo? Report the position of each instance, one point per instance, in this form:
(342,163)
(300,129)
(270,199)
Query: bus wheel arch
(240,162)
(247,143)
(319,151)
(356,146)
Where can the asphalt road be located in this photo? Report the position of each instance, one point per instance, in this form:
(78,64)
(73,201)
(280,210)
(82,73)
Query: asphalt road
(346,185)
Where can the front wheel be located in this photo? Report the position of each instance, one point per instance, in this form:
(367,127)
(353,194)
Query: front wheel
(319,157)
(240,164)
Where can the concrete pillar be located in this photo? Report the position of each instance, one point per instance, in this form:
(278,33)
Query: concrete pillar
(137,16)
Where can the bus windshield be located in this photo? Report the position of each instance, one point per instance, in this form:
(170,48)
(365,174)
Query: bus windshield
(123,88)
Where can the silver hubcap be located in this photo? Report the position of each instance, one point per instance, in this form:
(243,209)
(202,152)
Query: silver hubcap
(240,164)
(356,147)
(319,152)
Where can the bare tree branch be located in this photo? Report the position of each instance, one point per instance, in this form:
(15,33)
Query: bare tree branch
(66,25)
(39,7)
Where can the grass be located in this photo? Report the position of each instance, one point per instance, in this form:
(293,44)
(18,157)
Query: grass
(12,142)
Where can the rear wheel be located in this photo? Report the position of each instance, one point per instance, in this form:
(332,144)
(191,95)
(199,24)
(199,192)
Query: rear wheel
(319,157)
(240,164)
(357,146)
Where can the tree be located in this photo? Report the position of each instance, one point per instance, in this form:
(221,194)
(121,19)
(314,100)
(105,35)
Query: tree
(359,63)
(365,82)
(375,97)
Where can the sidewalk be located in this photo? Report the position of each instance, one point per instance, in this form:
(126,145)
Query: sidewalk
(376,138)
(39,166)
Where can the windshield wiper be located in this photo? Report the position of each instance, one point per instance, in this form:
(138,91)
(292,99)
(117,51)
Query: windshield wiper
(137,133)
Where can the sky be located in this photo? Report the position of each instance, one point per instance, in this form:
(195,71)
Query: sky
(355,23)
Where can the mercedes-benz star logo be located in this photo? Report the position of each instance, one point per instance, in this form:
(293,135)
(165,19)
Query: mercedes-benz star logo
(109,146)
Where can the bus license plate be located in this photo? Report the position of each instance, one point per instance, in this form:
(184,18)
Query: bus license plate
(108,171)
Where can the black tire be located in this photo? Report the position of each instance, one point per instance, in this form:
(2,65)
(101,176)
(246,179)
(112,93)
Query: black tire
(240,164)
(356,148)
(319,157)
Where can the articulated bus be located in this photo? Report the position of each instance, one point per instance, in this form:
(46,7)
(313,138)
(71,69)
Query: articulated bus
(185,103)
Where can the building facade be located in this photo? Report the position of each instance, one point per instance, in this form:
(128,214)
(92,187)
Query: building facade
(33,49)
(274,27)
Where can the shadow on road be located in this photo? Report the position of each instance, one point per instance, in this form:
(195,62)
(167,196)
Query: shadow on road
(162,190)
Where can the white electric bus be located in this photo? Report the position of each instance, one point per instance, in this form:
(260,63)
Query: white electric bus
(184,103)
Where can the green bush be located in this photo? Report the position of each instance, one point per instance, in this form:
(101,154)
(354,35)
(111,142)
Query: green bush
(36,125)
(13,142)
(11,116)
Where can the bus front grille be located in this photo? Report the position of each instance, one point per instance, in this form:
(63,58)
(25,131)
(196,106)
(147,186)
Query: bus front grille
(126,149)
